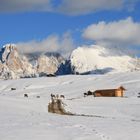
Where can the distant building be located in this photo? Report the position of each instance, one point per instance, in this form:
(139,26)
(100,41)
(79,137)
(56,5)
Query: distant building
(118,92)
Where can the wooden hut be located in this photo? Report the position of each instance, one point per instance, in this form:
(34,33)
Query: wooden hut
(118,92)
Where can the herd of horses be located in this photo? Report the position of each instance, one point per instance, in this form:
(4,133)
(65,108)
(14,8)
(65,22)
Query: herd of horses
(53,96)
(57,96)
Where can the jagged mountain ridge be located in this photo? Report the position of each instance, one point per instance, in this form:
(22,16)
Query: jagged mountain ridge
(83,60)
(14,65)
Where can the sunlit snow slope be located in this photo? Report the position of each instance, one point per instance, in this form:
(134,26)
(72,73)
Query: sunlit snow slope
(97,59)
(113,118)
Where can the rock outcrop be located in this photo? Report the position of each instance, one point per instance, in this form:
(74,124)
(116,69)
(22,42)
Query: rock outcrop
(14,65)
(48,64)
(56,105)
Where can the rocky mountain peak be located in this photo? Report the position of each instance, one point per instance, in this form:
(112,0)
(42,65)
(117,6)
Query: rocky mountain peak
(13,64)
(9,47)
(49,63)
(7,51)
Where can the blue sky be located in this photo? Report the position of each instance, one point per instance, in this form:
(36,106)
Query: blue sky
(56,17)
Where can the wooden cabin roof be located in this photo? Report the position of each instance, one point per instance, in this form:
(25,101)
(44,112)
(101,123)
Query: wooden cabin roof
(121,87)
(109,89)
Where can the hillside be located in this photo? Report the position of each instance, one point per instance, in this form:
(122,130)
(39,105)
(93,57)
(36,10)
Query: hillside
(113,118)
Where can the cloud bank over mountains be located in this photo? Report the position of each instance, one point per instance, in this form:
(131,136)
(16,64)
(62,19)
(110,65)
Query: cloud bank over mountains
(62,44)
(69,7)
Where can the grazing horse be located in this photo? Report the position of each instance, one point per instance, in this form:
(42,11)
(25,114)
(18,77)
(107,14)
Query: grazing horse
(52,96)
(88,93)
(37,96)
(62,96)
(26,95)
(85,94)
(13,88)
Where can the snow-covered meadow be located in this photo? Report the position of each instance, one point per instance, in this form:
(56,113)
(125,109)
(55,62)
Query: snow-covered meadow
(113,118)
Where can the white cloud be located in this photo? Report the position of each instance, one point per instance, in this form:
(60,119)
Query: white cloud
(123,32)
(70,7)
(24,5)
(78,7)
(53,43)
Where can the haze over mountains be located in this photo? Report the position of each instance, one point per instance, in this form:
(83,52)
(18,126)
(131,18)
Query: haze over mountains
(83,60)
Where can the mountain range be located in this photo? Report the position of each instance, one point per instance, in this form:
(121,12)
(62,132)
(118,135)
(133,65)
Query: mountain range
(83,60)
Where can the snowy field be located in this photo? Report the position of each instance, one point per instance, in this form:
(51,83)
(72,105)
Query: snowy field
(113,118)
